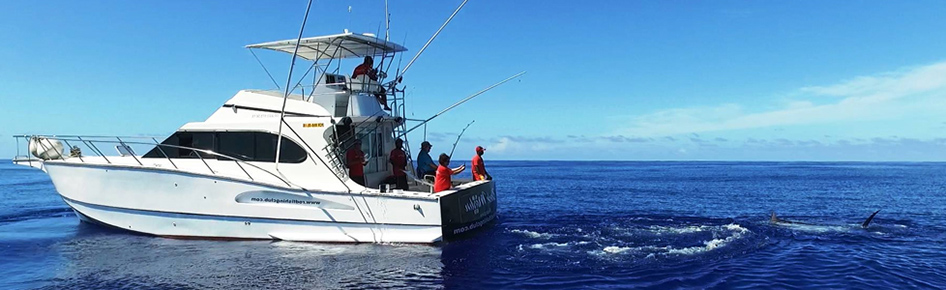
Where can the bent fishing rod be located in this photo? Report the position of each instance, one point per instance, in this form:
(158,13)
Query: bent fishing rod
(458,138)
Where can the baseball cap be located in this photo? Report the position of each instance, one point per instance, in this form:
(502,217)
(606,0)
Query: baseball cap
(480,148)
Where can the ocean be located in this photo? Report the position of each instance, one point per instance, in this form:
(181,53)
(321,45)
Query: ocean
(561,224)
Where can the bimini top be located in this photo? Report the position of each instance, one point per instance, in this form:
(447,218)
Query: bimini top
(343,45)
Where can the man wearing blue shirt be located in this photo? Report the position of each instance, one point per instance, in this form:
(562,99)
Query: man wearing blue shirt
(425,164)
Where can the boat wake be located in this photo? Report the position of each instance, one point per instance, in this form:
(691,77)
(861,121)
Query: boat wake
(34,214)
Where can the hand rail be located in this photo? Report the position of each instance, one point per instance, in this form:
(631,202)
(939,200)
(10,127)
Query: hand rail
(90,144)
(53,136)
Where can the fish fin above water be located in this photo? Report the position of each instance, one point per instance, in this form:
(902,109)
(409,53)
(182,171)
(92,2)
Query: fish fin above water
(869,219)
(774,218)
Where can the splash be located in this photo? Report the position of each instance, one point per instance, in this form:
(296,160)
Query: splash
(531,234)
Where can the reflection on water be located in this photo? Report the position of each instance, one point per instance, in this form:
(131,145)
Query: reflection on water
(106,259)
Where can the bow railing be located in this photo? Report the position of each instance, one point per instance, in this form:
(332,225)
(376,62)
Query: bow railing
(126,149)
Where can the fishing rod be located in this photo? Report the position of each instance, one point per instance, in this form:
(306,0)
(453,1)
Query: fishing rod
(461,102)
(458,138)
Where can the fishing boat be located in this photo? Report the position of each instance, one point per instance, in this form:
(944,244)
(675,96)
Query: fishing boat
(270,164)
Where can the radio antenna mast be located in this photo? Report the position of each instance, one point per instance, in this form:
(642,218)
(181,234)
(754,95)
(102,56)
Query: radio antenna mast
(387,22)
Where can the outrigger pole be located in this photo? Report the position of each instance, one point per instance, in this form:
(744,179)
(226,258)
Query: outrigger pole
(461,102)
(429,41)
(282,112)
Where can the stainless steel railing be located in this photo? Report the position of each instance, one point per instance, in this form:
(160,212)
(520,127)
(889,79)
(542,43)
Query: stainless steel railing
(91,141)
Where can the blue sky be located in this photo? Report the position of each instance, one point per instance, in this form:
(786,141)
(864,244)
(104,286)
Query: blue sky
(612,80)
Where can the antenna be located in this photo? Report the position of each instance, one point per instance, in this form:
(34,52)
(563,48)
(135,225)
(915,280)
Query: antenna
(282,112)
(387,22)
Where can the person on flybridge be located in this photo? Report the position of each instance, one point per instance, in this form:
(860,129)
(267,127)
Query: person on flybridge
(367,69)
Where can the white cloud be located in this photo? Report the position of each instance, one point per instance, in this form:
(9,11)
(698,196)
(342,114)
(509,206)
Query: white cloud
(882,97)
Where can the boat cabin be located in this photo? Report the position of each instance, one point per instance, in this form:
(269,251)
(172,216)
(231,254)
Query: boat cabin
(318,123)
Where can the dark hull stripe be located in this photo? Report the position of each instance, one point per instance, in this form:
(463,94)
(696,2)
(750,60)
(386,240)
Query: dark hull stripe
(248,218)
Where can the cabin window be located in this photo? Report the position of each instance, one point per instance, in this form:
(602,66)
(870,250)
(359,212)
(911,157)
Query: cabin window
(241,145)
(246,146)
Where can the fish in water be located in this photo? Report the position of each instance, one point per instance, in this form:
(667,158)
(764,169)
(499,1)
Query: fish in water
(776,220)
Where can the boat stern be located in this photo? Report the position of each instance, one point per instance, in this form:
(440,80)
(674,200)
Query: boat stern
(471,206)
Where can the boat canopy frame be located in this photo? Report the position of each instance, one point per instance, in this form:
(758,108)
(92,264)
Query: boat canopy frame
(318,49)
(344,45)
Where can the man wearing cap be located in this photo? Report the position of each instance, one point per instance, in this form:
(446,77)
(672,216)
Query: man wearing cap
(443,180)
(425,164)
(479,169)
(355,159)
(399,161)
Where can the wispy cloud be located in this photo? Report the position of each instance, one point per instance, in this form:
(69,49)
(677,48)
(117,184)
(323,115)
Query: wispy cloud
(547,143)
(879,97)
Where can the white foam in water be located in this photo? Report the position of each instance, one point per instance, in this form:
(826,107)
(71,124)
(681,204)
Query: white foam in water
(676,230)
(531,234)
(616,250)
(548,245)
(713,244)
(737,232)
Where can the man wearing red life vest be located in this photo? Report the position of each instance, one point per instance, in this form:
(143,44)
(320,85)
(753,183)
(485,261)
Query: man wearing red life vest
(399,162)
(356,163)
(479,169)
(367,69)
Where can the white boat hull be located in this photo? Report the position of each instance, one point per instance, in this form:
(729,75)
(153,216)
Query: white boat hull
(198,226)
(171,203)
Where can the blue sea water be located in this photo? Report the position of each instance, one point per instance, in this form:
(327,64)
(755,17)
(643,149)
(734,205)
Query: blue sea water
(660,225)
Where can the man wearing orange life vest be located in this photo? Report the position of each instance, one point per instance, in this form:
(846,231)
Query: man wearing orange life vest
(479,169)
